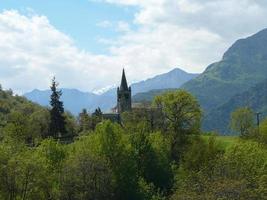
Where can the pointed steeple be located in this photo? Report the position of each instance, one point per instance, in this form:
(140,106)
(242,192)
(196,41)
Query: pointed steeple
(124,85)
(124,95)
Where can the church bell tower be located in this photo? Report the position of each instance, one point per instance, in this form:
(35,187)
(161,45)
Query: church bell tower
(124,95)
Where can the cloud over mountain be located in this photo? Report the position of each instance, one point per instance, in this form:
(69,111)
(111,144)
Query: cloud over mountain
(163,34)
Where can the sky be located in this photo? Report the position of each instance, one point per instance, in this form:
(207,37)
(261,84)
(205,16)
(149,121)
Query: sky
(87,43)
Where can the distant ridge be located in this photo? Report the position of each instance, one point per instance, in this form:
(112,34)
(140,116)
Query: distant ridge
(75,100)
(243,66)
(255,98)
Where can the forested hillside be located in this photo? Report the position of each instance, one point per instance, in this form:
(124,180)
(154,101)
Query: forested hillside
(255,98)
(10,104)
(242,66)
(25,120)
(156,153)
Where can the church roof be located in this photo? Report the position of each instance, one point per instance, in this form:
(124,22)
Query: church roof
(124,85)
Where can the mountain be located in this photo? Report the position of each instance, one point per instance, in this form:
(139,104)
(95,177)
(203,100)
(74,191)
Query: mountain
(148,96)
(75,100)
(255,98)
(242,66)
(173,79)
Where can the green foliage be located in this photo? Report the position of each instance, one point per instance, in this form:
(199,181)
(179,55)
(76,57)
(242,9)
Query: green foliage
(224,142)
(86,176)
(10,103)
(116,149)
(57,126)
(24,174)
(181,110)
(133,160)
(152,157)
(84,121)
(263,131)
(182,114)
(239,173)
(255,98)
(242,121)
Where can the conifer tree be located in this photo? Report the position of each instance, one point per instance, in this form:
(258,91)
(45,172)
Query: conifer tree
(98,112)
(57,119)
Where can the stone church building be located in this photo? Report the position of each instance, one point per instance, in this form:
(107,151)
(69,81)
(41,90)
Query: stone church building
(124,96)
(124,100)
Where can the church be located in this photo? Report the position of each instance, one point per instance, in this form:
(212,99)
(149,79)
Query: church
(124,100)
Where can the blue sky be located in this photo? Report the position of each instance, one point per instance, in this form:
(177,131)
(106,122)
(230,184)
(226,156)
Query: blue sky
(78,18)
(86,43)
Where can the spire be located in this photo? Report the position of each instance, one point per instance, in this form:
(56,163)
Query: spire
(124,85)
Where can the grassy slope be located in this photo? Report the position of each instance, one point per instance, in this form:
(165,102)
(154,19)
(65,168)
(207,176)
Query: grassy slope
(224,141)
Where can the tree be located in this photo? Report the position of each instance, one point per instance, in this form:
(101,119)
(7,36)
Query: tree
(39,123)
(98,113)
(97,117)
(242,121)
(17,128)
(57,119)
(238,173)
(114,147)
(182,114)
(152,158)
(263,131)
(86,176)
(145,113)
(84,121)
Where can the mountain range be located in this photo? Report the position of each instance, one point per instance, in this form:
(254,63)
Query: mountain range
(224,85)
(238,79)
(75,100)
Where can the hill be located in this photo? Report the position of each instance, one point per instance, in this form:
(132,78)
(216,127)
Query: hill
(75,100)
(148,96)
(10,103)
(256,98)
(220,87)
(243,65)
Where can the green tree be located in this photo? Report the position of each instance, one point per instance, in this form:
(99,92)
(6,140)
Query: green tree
(57,119)
(114,147)
(242,121)
(39,123)
(147,114)
(17,128)
(182,114)
(152,158)
(263,132)
(86,176)
(239,173)
(96,118)
(23,173)
(84,121)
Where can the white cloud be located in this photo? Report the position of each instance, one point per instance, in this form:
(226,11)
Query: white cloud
(187,33)
(32,51)
(104,24)
(170,33)
(123,26)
